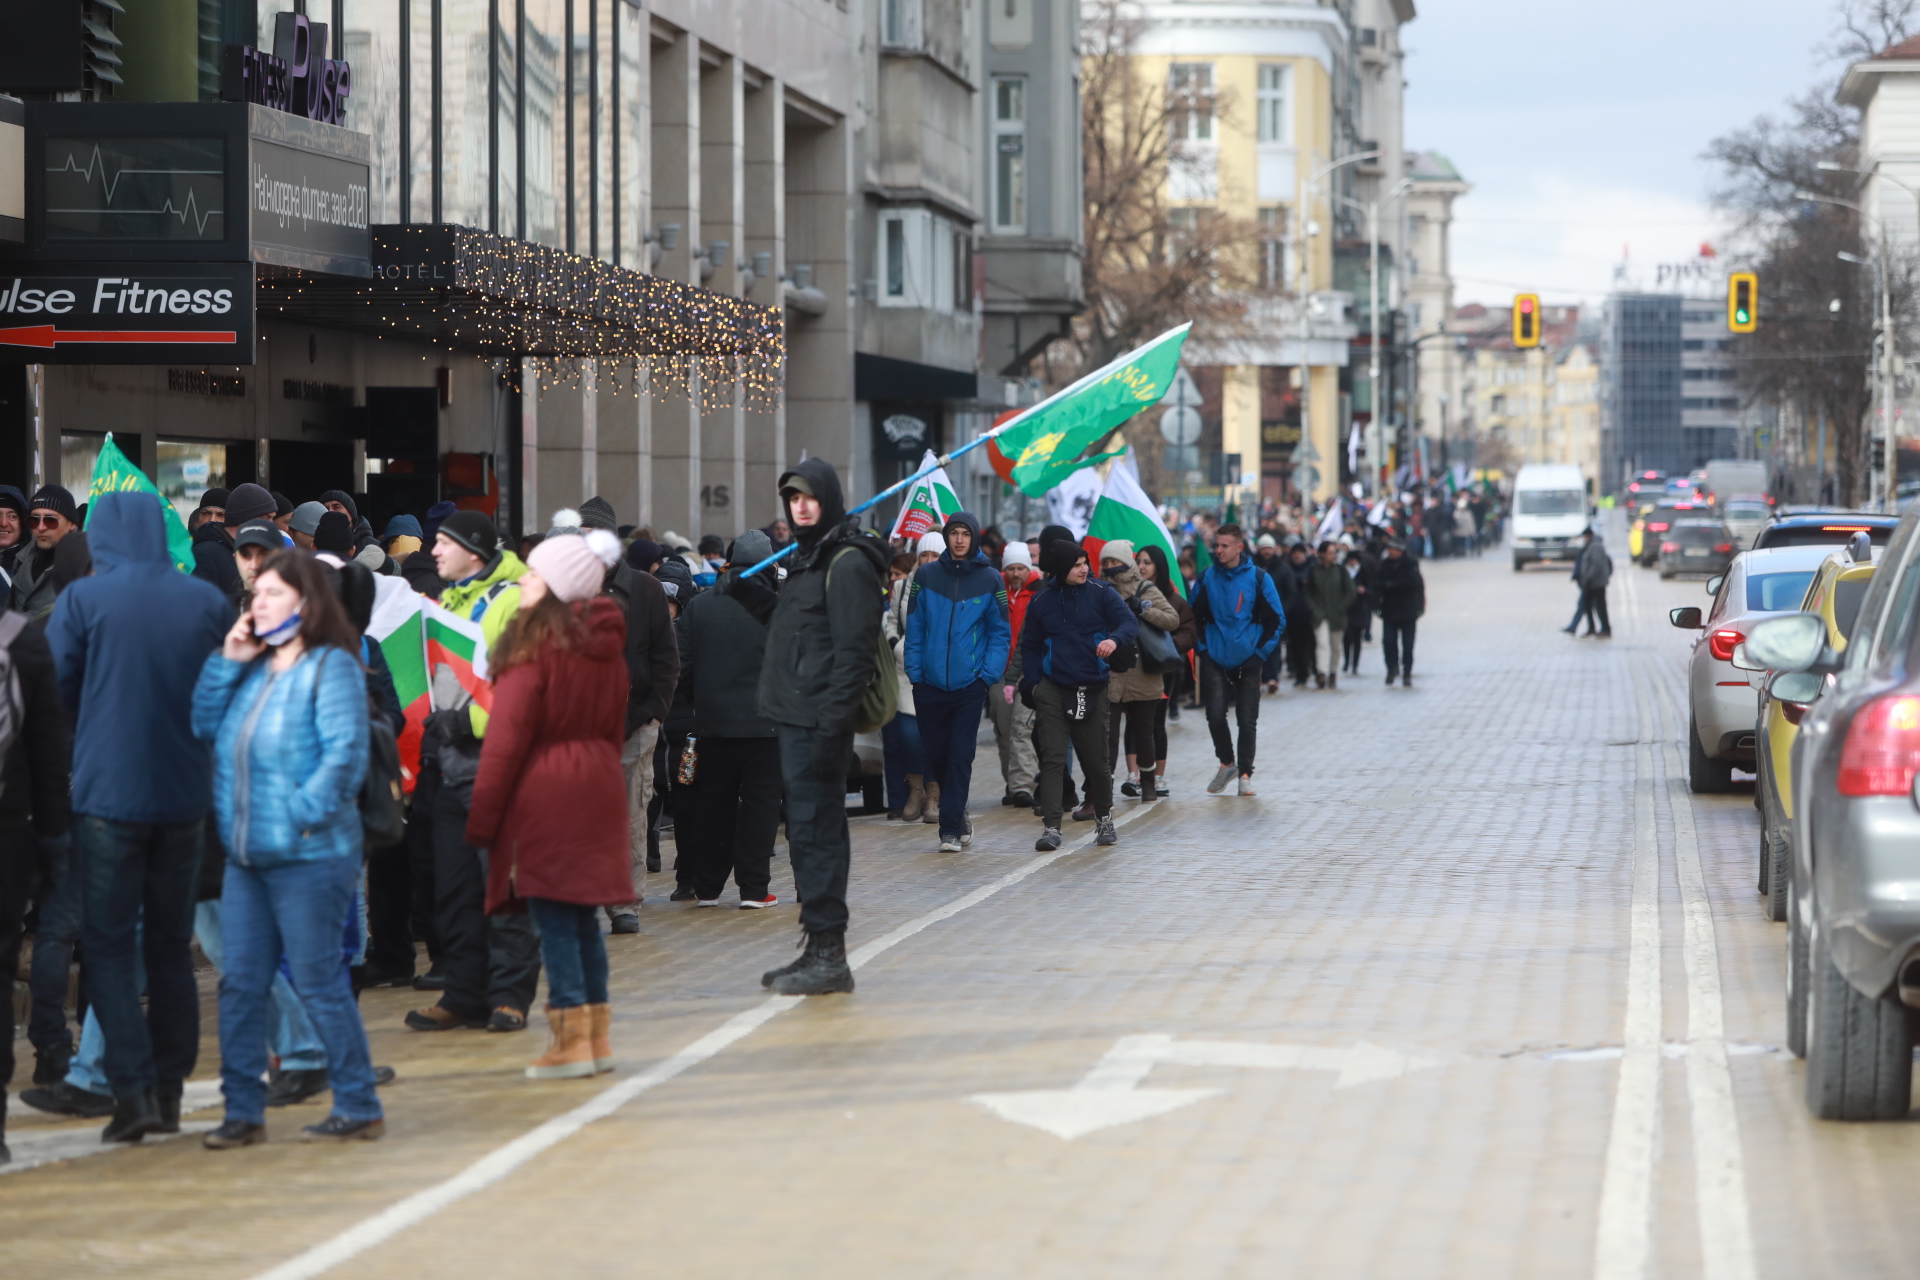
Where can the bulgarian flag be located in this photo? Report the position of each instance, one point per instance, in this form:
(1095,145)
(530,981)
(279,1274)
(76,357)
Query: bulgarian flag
(928,504)
(1125,512)
(112,473)
(1037,448)
(435,657)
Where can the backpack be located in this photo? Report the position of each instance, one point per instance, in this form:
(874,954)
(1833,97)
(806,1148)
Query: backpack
(383,810)
(880,702)
(13,712)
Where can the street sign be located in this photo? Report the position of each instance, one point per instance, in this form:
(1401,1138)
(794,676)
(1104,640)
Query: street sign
(1180,425)
(1183,392)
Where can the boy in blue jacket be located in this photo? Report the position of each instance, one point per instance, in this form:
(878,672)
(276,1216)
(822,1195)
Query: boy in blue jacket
(1240,620)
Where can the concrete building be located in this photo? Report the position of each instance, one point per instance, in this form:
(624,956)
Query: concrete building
(1434,184)
(1517,395)
(1667,382)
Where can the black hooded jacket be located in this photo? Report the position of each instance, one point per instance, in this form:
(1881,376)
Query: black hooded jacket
(820,644)
(727,644)
(363,535)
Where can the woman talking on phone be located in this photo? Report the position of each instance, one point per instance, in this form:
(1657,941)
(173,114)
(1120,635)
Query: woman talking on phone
(285,704)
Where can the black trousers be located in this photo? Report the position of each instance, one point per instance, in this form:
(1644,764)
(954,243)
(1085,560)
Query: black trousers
(1135,722)
(1350,647)
(737,793)
(1053,731)
(489,961)
(1301,663)
(1593,607)
(1396,640)
(678,802)
(1238,687)
(814,766)
(390,909)
(16,882)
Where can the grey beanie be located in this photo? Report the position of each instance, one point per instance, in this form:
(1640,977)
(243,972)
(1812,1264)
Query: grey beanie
(749,549)
(306,517)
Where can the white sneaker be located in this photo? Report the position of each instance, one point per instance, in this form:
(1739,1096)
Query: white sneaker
(949,845)
(707,902)
(1220,780)
(1246,785)
(966,837)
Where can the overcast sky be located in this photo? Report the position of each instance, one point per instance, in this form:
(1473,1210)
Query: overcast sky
(1580,125)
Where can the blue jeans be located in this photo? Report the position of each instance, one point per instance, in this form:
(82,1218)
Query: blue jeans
(294,1040)
(142,873)
(300,910)
(950,727)
(574,951)
(53,954)
(902,754)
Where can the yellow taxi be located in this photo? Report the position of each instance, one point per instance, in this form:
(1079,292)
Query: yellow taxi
(1835,594)
(1651,520)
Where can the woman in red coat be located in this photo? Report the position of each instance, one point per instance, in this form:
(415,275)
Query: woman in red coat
(550,802)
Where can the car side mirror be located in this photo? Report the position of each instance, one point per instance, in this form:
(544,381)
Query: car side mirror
(1743,661)
(1794,686)
(1713,583)
(1687,618)
(1793,642)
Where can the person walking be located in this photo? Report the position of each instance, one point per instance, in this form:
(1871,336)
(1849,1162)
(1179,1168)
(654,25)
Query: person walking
(1403,598)
(1239,616)
(957,638)
(737,783)
(284,705)
(1362,569)
(1012,718)
(1071,630)
(1290,584)
(1330,593)
(1153,566)
(820,647)
(550,804)
(1592,571)
(904,757)
(1138,692)
(128,643)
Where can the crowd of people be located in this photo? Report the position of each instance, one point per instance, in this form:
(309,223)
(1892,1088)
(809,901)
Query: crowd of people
(213,756)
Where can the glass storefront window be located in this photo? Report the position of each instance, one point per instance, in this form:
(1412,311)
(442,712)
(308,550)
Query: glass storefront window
(188,468)
(78,453)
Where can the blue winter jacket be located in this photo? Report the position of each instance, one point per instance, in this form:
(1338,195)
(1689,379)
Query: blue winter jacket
(290,753)
(1063,626)
(1239,613)
(128,643)
(957,629)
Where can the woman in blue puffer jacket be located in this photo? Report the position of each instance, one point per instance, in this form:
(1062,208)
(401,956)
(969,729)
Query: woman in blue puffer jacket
(285,704)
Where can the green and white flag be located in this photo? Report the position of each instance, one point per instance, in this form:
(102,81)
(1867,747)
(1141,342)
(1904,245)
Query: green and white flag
(112,473)
(929,504)
(1125,512)
(1043,445)
(398,626)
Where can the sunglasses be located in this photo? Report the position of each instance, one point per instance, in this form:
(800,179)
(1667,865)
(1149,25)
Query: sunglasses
(46,522)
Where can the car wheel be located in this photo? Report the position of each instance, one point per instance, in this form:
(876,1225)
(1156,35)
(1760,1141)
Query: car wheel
(1705,775)
(1859,1049)
(1665,572)
(1518,564)
(1796,980)
(1777,848)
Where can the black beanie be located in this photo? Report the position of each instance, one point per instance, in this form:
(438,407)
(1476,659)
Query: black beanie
(1056,533)
(334,533)
(249,502)
(345,499)
(52,497)
(1057,557)
(472,530)
(282,504)
(215,498)
(597,513)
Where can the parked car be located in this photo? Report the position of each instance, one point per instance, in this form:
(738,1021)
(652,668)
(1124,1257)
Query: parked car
(1853,916)
(1644,534)
(1721,704)
(1838,587)
(1745,517)
(1832,528)
(1695,545)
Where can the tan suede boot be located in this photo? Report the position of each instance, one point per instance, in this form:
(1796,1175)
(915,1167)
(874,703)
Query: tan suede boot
(931,811)
(916,798)
(569,1054)
(600,1026)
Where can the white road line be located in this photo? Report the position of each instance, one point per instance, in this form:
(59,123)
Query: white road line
(502,1161)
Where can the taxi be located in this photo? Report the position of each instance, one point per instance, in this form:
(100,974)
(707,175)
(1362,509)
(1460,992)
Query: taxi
(1646,532)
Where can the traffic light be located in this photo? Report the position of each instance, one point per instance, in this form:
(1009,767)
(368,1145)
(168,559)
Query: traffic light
(1878,454)
(1743,302)
(1526,320)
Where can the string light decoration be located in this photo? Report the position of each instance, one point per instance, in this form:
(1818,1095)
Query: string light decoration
(498,296)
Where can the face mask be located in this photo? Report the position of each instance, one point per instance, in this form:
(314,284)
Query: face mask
(282,633)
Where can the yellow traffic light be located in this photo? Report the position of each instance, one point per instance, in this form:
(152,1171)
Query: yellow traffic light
(1743,302)
(1526,320)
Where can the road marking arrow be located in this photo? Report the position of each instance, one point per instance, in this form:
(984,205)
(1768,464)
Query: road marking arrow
(1110,1094)
(45,335)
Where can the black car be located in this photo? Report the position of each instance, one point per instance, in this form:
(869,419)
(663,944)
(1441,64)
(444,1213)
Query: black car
(1695,546)
(1837,527)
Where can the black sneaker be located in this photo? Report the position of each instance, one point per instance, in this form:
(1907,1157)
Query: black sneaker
(63,1099)
(1023,799)
(134,1117)
(234,1133)
(285,1088)
(1130,788)
(383,1075)
(338,1128)
(50,1066)
(626,922)
(821,970)
(1049,841)
(683,894)
(431,980)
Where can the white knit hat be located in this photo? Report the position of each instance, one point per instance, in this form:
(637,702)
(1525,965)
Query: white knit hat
(932,541)
(1016,553)
(573,565)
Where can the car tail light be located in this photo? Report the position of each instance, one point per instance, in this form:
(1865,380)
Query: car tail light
(1882,750)
(1669,546)
(1723,548)
(1657,526)
(1721,643)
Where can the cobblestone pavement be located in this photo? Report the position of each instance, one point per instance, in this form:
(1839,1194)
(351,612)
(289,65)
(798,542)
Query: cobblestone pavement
(1375,1021)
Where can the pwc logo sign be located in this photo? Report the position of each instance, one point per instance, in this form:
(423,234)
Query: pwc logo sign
(105,315)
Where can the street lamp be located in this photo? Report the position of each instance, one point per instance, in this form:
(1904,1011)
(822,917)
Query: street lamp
(1883,364)
(1311,186)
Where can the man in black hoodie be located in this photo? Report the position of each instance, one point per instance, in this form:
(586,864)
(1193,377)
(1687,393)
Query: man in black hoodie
(820,660)
(342,501)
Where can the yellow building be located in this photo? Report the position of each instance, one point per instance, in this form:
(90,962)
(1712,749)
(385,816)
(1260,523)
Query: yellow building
(1544,402)
(1575,432)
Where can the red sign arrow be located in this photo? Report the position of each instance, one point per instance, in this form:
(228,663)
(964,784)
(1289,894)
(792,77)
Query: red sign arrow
(46,335)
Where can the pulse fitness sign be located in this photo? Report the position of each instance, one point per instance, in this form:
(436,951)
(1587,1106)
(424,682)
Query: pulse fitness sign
(105,314)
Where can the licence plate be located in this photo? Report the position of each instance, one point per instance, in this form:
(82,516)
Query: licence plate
(1698,551)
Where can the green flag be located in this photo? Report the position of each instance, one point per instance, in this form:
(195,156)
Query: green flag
(112,473)
(1044,444)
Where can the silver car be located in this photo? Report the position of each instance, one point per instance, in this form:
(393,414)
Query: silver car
(1758,585)
(1745,518)
(1853,910)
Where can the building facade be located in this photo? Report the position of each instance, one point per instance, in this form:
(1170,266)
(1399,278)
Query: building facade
(1433,185)
(1667,399)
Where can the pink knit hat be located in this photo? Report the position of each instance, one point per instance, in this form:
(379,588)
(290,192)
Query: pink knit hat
(574,566)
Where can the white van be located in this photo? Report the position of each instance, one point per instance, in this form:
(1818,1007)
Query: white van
(1549,513)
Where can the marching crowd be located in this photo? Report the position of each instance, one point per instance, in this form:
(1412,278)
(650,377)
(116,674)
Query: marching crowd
(214,757)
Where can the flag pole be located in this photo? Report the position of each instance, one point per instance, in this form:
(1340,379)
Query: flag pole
(942,461)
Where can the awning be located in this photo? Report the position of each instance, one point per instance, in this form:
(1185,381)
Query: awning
(514,298)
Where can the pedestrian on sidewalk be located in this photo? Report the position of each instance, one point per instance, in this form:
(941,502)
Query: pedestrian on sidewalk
(1152,563)
(1139,691)
(1012,718)
(738,776)
(1330,593)
(957,637)
(550,804)
(904,757)
(1290,584)
(1363,569)
(284,704)
(128,643)
(1240,619)
(675,804)
(51,516)
(1071,630)
(1403,598)
(820,661)
(1592,571)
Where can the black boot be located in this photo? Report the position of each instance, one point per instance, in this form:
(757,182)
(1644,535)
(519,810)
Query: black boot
(50,1065)
(134,1117)
(167,1097)
(820,970)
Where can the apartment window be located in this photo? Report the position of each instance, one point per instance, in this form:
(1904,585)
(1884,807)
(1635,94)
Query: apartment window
(1273,248)
(1190,88)
(1271,102)
(1010,154)
(962,271)
(902,22)
(893,233)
